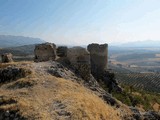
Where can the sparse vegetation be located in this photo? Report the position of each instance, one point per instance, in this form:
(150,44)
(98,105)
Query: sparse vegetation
(45,97)
(135,97)
(138,98)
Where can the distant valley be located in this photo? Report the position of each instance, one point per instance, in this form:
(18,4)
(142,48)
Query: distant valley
(142,44)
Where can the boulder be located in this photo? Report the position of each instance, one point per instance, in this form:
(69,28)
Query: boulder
(7,57)
(151,115)
(12,73)
(45,52)
(79,59)
(99,58)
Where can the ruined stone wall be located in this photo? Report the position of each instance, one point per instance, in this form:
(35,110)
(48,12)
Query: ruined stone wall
(99,58)
(94,60)
(79,58)
(84,62)
(45,52)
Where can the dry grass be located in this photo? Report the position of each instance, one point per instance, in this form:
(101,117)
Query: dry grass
(25,63)
(84,104)
(53,98)
(3,65)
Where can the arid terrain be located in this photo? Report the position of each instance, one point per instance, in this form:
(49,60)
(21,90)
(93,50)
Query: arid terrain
(49,90)
(79,60)
(39,95)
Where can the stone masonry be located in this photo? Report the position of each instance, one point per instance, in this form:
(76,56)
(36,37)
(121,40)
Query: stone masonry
(99,58)
(45,52)
(84,62)
(79,58)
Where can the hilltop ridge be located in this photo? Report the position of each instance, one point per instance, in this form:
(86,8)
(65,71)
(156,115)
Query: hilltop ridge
(14,41)
(62,84)
(42,96)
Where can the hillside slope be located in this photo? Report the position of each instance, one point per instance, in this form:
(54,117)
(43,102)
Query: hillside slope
(36,94)
(20,50)
(51,91)
(13,41)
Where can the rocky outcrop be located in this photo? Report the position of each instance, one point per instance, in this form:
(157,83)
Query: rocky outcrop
(99,58)
(12,73)
(109,79)
(45,52)
(151,115)
(7,57)
(79,59)
(59,70)
(62,51)
(11,114)
(148,115)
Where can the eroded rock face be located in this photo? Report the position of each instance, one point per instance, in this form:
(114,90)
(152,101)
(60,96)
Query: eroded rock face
(99,58)
(109,79)
(45,52)
(79,58)
(7,57)
(12,73)
(148,115)
(13,112)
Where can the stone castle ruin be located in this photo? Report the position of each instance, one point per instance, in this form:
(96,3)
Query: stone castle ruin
(85,62)
(92,60)
(45,52)
(79,58)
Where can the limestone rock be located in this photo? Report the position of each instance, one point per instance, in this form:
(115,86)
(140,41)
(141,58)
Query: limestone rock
(59,70)
(45,52)
(99,58)
(148,115)
(9,114)
(12,73)
(7,57)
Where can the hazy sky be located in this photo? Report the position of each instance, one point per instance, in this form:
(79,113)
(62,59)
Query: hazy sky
(82,21)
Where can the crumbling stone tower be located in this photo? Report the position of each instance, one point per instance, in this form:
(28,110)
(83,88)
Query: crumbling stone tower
(45,52)
(99,58)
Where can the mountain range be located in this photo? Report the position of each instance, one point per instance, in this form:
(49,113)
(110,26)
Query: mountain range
(145,43)
(14,41)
